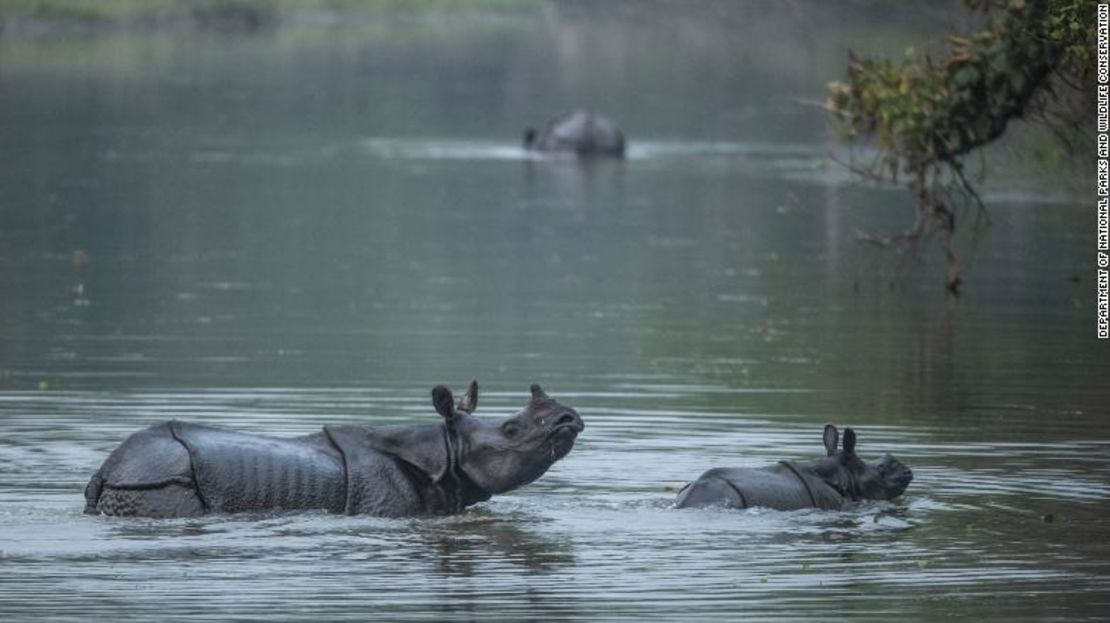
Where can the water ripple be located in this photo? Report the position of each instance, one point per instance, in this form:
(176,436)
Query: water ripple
(597,533)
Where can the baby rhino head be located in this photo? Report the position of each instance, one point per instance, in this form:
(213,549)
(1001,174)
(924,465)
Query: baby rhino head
(884,478)
(500,455)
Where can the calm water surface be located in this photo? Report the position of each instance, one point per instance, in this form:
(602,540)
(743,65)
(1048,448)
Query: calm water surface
(315,225)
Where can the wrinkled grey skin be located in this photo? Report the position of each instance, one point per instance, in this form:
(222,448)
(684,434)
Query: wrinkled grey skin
(832,483)
(581,132)
(177,469)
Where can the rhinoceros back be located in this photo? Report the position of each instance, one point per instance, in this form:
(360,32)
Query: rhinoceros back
(148,475)
(237,471)
(584,132)
(781,486)
(177,469)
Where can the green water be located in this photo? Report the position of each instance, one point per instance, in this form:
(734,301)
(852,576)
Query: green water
(314,225)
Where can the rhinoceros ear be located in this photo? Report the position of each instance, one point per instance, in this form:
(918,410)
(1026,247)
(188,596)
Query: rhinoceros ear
(469,401)
(849,441)
(537,393)
(831,437)
(444,402)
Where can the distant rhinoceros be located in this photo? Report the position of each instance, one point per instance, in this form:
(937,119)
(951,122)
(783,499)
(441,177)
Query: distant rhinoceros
(177,469)
(581,132)
(830,483)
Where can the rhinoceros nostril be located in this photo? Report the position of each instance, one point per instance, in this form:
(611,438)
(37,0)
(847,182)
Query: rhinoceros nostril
(565,418)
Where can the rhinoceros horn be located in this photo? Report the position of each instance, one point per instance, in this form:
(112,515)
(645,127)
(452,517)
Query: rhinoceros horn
(537,393)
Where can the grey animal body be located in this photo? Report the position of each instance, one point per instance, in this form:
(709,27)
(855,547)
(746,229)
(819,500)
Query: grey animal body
(581,132)
(178,469)
(832,483)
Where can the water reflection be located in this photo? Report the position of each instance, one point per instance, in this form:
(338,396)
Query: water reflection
(595,532)
(464,545)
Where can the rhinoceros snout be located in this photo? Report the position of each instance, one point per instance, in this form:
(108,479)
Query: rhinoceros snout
(896,475)
(903,476)
(569,419)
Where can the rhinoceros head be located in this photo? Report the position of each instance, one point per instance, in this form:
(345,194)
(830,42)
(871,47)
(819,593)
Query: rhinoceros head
(884,478)
(502,455)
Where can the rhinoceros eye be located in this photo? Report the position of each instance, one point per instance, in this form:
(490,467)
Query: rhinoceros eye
(510,429)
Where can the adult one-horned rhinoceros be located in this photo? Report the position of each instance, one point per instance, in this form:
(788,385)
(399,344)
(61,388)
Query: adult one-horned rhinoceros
(176,469)
(580,132)
(831,483)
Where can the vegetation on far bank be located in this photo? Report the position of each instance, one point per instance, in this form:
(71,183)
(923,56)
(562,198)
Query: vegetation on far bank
(61,16)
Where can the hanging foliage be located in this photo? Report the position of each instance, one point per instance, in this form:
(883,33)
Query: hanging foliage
(924,113)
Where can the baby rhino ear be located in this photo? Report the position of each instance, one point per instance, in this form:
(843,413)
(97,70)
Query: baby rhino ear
(831,437)
(849,441)
(443,401)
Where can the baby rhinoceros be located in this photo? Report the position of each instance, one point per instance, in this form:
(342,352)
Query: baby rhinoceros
(830,483)
(177,469)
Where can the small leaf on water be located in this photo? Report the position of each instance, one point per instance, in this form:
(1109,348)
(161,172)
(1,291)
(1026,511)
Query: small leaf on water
(42,386)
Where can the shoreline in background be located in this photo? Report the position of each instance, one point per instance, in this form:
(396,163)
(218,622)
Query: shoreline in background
(35,18)
(43,35)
